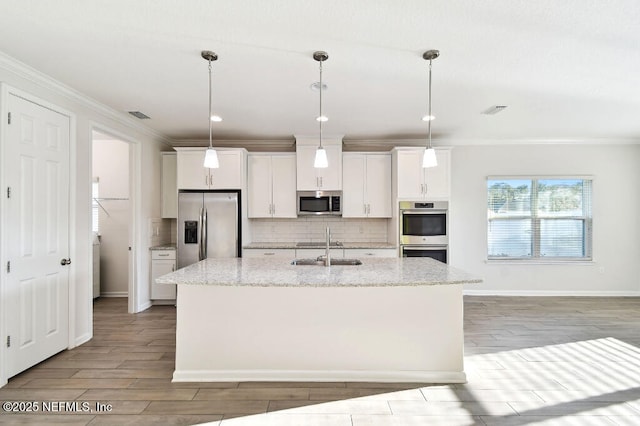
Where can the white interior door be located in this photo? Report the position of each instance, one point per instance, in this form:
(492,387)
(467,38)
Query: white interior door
(36,167)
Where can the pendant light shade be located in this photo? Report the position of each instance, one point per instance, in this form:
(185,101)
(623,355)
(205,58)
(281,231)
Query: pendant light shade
(211,159)
(429,156)
(211,156)
(321,160)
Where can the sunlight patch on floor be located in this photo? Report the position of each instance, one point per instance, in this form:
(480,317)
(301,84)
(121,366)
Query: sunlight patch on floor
(577,383)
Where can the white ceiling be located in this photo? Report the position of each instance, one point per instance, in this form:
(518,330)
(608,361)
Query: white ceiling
(568,70)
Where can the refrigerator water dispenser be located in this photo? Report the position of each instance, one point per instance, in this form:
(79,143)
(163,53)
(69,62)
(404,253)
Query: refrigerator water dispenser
(191,232)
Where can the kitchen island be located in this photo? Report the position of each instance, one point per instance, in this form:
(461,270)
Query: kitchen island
(254,319)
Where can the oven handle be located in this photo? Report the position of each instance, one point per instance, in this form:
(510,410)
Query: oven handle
(434,247)
(423,211)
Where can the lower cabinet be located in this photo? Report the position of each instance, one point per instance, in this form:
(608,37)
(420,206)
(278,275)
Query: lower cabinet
(313,253)
(363,254)
(288,253)
(307,253)
(162,262)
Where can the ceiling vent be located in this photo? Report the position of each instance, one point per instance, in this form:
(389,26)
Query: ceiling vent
(494,109)
(140,115)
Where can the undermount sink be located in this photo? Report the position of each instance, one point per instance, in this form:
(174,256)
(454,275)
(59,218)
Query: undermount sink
(335,262)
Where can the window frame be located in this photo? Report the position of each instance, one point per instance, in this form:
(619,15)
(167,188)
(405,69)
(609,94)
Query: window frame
(536,219)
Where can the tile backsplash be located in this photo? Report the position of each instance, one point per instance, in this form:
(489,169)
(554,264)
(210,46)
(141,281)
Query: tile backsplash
(312,229)
(160,231)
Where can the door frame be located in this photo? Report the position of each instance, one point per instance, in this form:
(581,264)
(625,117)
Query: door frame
(135,301)
(6,91)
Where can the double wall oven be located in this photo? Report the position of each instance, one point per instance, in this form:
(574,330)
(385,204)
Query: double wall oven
(424,229)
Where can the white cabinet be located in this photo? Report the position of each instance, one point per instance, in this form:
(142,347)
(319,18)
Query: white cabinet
(366,185)
(311,179)
(162,262)
(416,182)
(169,185)
(363,254)
(193,175)
(270,253)
(272,185)
(313,253)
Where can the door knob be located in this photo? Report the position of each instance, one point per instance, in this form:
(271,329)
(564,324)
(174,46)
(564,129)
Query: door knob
(65,262)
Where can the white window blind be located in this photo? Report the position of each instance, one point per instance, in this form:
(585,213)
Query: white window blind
(539,218)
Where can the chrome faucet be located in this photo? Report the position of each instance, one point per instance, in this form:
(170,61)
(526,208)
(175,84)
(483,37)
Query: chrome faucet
(326,258)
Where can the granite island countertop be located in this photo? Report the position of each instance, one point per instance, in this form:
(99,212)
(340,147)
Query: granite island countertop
(278,272)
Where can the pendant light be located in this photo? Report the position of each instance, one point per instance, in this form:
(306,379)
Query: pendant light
(211,156)
(321,161)
(429,156)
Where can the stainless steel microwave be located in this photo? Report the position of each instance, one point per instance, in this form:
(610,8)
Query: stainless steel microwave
(319,203)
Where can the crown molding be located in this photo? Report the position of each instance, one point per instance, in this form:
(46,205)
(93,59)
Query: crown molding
(353,144)
(538,141)
(44,81)
(264,145)
(374,145)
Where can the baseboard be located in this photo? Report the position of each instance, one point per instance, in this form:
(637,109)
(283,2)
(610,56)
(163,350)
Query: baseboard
(319,376)
(114,294)
(163,302)
(550,293)
(83,339)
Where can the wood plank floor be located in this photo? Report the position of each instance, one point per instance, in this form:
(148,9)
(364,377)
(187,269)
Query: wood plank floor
(566,361)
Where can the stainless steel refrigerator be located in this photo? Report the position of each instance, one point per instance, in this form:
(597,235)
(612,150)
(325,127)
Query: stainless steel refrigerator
(208,225)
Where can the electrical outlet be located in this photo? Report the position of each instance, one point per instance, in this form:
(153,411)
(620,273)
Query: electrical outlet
(601,269)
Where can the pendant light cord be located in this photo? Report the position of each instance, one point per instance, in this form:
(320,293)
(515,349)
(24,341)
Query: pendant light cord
(210,122)
(429,113)
(320,118)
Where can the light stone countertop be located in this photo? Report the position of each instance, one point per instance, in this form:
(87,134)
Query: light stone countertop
(278,272)
(345,245)
(163,247)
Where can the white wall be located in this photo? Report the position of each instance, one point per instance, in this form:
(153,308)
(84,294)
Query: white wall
(91,116)
(616,210)
(111,167)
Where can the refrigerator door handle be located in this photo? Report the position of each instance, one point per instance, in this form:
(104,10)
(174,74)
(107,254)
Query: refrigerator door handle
(202,224)
(205,232)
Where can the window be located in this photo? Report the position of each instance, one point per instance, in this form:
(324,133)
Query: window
(543,218)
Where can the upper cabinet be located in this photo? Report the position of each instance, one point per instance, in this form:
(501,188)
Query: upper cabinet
(311,179)
(193,175)
(366,185)
(272,185)
(415,182)
(169,187)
